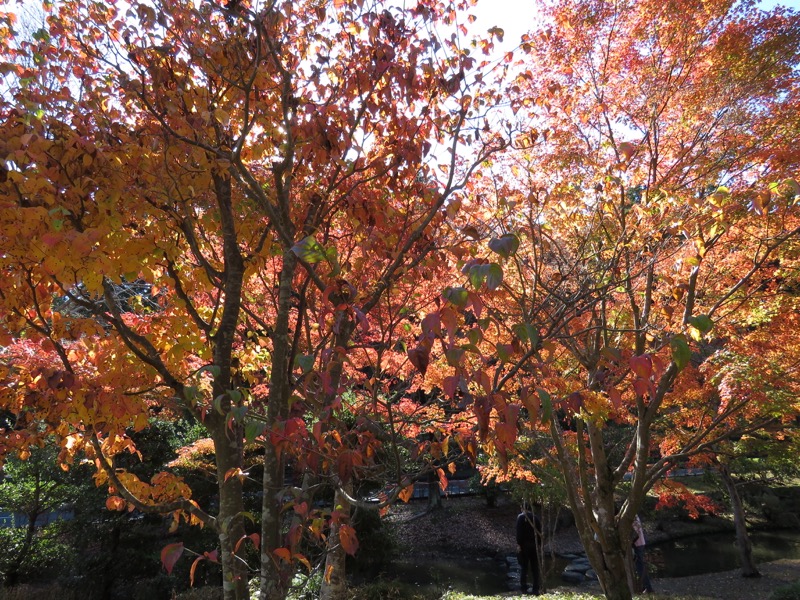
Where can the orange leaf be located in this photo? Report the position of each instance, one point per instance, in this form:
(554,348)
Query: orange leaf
(348,539)
(442,479)
(406,493)
(302,559)
(284,554)
(115,503)
(194,568)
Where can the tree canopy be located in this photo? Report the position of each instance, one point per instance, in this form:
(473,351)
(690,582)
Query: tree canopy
(348,235)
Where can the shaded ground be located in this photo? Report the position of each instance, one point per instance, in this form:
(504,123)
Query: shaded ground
(467,527)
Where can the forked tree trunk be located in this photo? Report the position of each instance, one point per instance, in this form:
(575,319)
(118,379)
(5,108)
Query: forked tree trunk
(611,566)
(743,544)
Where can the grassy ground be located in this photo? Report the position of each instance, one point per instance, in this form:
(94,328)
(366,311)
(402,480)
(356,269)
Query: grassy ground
(560,596)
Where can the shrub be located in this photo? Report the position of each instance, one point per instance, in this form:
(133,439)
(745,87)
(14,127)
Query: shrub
(787,592)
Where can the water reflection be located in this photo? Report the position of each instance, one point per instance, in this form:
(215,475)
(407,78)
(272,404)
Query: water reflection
(683,557)
(469,576)
(715,552)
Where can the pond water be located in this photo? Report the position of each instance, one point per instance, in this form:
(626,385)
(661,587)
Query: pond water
(429,575)
(715,552)
(693,555)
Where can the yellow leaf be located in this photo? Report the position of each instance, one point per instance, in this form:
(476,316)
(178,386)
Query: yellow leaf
(222,116)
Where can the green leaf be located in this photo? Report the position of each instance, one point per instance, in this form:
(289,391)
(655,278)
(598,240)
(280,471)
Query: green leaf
(305,362)
(191,393)
(526,333)
(681,353)
(253,429)
(474,336)
(502,352)
(41,35)
(702,323)
(214,370)
(454,356)
(494,276)
(239,413)
(309,250)
(505,245)
(457,296)
(547,405)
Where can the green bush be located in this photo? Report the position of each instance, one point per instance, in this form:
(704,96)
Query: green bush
(305,587)
(788,592)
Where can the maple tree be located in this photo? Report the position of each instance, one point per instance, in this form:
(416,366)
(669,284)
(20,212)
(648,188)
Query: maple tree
(274,178)
(620,244)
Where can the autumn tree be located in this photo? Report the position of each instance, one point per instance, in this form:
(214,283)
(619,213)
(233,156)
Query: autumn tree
(621,242)
(278,175)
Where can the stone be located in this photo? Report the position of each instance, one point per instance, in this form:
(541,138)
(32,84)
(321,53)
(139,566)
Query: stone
(573,576)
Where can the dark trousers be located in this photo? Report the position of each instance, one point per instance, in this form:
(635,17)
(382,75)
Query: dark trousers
(641,568)
(528,559)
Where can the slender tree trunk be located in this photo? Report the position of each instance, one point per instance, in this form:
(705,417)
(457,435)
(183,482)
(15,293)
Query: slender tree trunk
(334,581)
(227,446)
(434,494)
(749,568)
(273,584)
(274,575)
(228,435)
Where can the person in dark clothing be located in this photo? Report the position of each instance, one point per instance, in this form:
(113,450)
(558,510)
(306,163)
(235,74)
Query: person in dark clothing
(528,531)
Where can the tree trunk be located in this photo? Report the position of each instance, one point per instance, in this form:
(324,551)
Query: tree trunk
(231,508)
(334,581)
(749,568)
(610,564)
(273,584)
(434,495)
(274,575)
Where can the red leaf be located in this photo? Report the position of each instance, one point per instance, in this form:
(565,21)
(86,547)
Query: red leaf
(615,397)
(420,358)
(450,385)
(348,539)
(170,555)
(641,386)
(477,304)
(301,509)
(431,325)
(642,365)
